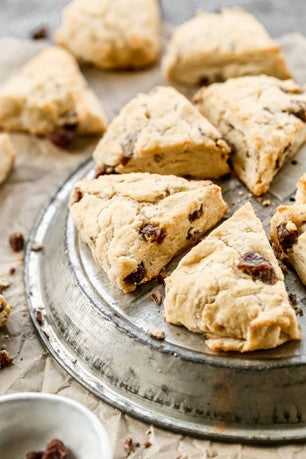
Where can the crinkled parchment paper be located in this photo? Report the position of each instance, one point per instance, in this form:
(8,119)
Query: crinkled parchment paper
(40,167)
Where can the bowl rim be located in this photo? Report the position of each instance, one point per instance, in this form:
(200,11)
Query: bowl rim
(98,427)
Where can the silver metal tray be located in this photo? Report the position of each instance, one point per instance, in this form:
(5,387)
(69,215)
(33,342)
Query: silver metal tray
(100,336)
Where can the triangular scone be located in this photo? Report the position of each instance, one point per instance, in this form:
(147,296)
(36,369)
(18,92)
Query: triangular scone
(263,118)
(49,93)
(4,311)
(300,197)
(231,288)
(288,235)
(162,132)
(119,34)
(7,156)
(219,45)
(135,223)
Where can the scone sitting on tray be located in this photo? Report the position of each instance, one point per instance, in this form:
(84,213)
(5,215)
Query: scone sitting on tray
(7,156)
(231,288)
(288,233)
(112,34)
(262,118)
(4,311)
(162,132)
(300,197)
(216,46)
(135,223)
(50,96)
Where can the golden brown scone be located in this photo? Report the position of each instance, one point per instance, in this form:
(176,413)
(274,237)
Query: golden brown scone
(7,156)
(163,133)
(135,223)
(262,118)
(231,288)
(288,235)
(4,311)
(116,34)
(300,197)
(217,46)
(50,93)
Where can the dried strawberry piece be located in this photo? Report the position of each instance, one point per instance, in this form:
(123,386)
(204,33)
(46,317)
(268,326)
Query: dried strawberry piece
(56,450)
(63,136)
(16,241)
(258,267)
(196,214)
(287,238)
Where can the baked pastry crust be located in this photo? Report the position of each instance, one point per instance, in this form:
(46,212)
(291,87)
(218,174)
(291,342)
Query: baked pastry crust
(135,223)
(216,46)
(117,34)
(162,132)
(288,235)
(300,197)
(263,118)
(7,156)
(50,92)
(238,307)
(4,311)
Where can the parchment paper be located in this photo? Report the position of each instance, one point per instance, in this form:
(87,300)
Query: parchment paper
(40,167)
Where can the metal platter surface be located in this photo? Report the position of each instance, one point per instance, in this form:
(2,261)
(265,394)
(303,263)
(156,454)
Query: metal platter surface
(100,336)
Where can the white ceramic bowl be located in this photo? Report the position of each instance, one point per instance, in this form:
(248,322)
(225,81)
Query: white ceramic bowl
(28,421)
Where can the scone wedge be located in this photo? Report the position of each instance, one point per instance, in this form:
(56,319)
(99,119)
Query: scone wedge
(216,46)
(7,156)
(4,311)
(162,132)
(288,235)
(119,34)
(262,118)
(231,288)
(49,94)
(300,197)
(135,223)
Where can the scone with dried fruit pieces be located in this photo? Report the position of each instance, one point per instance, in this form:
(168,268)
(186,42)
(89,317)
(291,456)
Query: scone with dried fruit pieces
(50,96)
(231,288)
(217,46)
(288,234)
(300,197)
(117,34)
(7,156)
(135,223)
(162,132)
(262,118)
(4,311)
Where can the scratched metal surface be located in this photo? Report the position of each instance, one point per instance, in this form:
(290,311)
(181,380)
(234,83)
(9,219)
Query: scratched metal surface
(100,336)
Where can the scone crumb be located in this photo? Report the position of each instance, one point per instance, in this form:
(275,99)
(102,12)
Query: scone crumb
(40,33)
(39,317)
(240,192)
(157,297)
(4,284)
(148,432)
(5,359)
(157,334)
(147,444)
(16,241)
(37,247)
(292,299)
(267,202)
(128,446)
(12,271)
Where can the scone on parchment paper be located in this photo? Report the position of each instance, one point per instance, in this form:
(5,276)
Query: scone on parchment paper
(288,236)
(4,311)
(262,118)
(162,132)
(112,34)
(231,288)
(300,197)
(7,156)
(216,46)
(50,93)
(135,223)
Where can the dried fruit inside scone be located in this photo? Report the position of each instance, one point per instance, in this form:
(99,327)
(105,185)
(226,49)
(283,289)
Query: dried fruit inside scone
(231,288)
(7,156)
(300,197)
(49,96)
(288,235)
(262,118)
(162,132)
(4,311)
(136,223)
(215,46)
(121,34)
